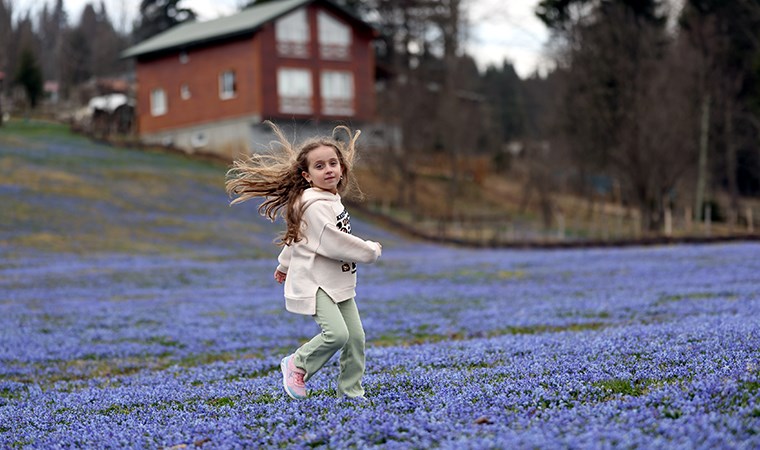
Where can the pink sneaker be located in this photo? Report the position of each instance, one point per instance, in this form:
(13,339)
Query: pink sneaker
(292,378)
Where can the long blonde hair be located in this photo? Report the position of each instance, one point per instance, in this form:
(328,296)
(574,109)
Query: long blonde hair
(277,177)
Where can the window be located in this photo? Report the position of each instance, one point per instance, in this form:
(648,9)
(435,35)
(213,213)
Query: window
(292,34)
(294,90)
(227,85)
(337,93)
(334,37)
(158,102)
(184,92)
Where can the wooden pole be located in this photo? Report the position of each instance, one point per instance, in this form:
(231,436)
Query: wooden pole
(636,223)
(702,164)
(750,225)
(2,76)
(668,221)
(688,216)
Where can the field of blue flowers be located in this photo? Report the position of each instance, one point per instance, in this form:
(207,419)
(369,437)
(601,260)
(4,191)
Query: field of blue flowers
(138,310)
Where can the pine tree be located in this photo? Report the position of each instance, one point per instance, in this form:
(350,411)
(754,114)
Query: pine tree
(29,76)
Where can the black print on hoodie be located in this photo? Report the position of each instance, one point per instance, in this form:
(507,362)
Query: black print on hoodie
(344,225)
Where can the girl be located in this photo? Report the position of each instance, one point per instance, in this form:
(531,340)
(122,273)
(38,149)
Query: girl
(319,255)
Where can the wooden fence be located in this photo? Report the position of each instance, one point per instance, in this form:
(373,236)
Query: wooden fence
(604,226)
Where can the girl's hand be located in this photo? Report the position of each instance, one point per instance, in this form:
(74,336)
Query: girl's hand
(279,276)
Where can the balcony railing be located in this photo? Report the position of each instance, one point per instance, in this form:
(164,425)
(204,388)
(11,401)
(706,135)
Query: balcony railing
(338,107)
(334,51)
(296,105)
(293,49)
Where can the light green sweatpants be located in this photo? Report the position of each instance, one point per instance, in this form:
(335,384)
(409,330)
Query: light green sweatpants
(341,330)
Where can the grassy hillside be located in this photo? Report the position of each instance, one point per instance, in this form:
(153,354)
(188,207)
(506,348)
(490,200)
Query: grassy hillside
(63,192)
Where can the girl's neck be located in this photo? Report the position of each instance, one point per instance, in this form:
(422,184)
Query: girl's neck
(323,190)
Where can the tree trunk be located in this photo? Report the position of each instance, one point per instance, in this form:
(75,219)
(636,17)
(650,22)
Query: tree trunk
(704,134)
(731,163)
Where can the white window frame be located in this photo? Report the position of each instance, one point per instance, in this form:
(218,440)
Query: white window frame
(184,91)
(335,37)
(292,33)
(337,92)
(227,85)
(158,103)
(294,90)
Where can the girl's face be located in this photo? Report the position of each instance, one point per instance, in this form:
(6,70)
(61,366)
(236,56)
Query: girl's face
(324,169)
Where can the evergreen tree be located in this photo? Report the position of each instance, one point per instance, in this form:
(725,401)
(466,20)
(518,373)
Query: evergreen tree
(6,34)
(29,76)
(502,89)
(157,16)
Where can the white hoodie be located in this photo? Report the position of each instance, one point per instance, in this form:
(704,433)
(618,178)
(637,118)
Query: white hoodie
(326,255)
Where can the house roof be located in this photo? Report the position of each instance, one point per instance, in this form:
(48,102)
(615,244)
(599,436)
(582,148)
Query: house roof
(243,22)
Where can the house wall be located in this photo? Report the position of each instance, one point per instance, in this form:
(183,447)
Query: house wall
(201,74)
(230,138)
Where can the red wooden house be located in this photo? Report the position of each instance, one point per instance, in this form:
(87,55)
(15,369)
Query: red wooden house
(207,86)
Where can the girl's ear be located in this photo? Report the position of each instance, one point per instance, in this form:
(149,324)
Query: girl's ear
(306,176)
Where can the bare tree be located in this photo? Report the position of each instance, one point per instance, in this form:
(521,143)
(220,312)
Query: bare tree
(723,36)
(619,117)
(431,94)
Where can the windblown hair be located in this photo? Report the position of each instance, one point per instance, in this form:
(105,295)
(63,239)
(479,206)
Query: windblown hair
(278,177)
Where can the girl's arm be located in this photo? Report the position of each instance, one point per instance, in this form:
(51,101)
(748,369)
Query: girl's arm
(339,245)
(284,262)
(336,244)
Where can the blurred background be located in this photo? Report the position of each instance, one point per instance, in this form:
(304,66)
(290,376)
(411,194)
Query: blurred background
(486,122)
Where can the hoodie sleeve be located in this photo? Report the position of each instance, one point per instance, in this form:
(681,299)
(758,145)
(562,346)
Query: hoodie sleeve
(336,244)
(284,259)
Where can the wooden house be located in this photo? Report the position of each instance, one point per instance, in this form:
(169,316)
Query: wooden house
(208,86)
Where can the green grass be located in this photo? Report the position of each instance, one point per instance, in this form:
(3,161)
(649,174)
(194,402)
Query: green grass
(35,128)
(116,409)
(421,336)
(221,402)
(697,296)
(622,386)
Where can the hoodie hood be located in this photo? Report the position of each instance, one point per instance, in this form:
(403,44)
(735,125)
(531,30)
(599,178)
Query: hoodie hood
(312,195)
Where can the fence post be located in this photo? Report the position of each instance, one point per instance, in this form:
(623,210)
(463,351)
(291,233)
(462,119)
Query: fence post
(385,206)
(636,223)
(668,222)
(750,225)
(687,218)
(708,218)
